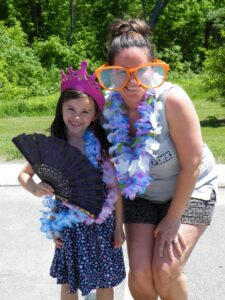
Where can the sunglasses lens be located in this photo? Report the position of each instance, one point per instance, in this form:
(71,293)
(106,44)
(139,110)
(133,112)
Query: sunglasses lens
(113,78)
(151,76)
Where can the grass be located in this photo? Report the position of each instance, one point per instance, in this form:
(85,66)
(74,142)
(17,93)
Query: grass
(34,106)
(211,114)
(10,127)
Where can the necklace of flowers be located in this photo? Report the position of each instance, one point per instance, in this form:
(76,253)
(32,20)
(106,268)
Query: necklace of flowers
(132,156)
(53,222)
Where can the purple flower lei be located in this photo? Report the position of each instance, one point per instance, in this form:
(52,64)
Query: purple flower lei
(53,223)
(131,156)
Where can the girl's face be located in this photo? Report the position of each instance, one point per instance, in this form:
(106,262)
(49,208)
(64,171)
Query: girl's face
(132,57)
(77,115)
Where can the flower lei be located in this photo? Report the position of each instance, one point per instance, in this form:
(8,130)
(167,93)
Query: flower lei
(53,223)
(132,155)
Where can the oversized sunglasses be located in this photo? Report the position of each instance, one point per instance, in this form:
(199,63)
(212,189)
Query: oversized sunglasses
(149,75)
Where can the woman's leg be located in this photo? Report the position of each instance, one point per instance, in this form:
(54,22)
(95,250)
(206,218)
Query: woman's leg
(170,281)
(104,294)
(140,244)
(65,295)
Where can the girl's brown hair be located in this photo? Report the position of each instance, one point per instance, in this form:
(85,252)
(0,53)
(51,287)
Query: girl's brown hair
(58,127)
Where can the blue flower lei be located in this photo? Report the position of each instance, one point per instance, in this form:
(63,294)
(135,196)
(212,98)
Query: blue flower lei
(132,156)
(53,222)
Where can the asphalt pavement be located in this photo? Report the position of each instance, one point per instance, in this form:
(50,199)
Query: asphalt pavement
(25,253)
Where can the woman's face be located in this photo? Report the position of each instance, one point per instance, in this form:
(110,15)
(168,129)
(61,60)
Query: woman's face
(132,57)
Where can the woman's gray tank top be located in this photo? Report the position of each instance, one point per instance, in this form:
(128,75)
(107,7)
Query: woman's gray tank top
(165,168)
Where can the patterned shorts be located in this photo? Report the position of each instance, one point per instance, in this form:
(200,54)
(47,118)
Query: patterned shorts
(140,210)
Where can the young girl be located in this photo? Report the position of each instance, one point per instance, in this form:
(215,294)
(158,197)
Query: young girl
(88,254)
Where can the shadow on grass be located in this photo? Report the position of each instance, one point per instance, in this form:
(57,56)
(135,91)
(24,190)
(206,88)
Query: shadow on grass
(212,121)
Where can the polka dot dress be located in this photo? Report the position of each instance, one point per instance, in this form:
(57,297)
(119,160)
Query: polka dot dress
(88,260)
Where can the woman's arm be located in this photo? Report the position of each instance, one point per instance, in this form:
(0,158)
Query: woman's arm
(185,132)
(25,179)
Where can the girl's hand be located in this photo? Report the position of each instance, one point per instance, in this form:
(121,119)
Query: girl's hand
(58,242)
(170,238)
(119,238)
(42,189)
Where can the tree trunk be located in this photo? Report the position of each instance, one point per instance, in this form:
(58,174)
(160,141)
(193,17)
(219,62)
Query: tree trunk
(71,13)
(156,12)
(36,16)
(208,26)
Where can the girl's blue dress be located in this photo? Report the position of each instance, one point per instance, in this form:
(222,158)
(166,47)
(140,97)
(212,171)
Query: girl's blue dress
(88,260)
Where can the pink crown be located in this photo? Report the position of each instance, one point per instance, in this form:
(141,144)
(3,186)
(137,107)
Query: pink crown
(80,80)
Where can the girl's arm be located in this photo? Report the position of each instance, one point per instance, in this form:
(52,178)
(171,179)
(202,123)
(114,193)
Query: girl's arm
(25,179)
(119,236)
(185,131)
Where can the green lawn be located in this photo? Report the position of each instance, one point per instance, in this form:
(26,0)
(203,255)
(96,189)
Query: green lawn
(211,114)
(10,127)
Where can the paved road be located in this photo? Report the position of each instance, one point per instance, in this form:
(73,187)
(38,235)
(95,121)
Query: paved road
(25,254)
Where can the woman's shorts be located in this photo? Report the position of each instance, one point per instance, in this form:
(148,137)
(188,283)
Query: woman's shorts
(140,210)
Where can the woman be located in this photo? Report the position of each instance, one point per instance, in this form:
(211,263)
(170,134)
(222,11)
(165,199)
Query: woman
(166,173)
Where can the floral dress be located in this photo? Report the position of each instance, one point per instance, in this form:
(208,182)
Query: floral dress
(88,260)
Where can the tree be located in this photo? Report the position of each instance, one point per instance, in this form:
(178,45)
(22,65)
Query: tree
(160,5)
(181,29)
(38,18)
(21,72)
(215,21)
(214,64)
(71,29)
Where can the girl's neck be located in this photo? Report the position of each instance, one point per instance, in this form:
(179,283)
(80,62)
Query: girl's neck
(77,141)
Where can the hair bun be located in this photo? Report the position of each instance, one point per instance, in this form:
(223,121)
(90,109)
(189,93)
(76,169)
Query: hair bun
(129,33)
(121,27)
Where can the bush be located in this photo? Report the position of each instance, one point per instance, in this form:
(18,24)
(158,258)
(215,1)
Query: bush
(173,56)
(55,52)
(214,71)
(52,52)
(21,72)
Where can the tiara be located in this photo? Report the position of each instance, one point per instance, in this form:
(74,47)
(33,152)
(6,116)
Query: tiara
(80,80)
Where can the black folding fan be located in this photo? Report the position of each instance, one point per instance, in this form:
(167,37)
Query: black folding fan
(74,179)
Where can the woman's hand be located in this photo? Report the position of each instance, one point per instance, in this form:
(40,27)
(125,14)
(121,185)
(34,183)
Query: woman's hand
(170,238)
(119,238)
(42,189)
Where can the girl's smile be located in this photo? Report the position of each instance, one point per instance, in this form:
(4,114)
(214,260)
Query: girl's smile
(78,115)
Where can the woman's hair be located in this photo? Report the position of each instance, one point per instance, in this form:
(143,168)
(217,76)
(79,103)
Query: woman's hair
(58,127)
(126,34)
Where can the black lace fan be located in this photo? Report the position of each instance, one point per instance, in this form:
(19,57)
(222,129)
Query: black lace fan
(74,179)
